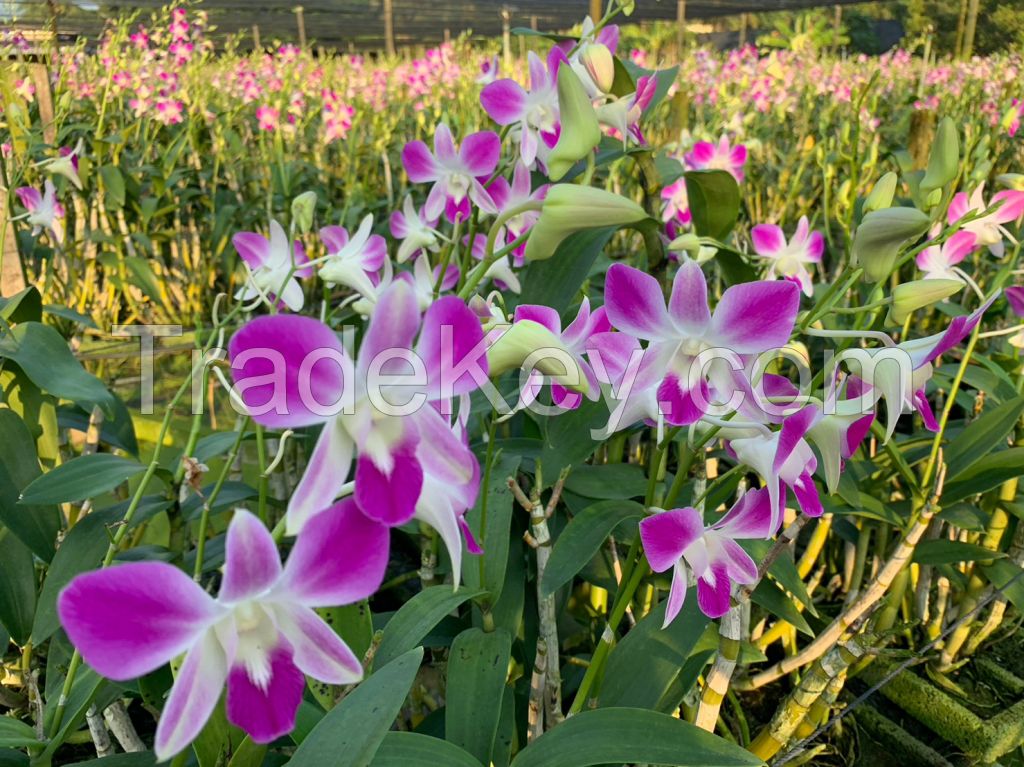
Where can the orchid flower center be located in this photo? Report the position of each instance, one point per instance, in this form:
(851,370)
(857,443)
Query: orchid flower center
(257,636)
(458,186)
(542,117)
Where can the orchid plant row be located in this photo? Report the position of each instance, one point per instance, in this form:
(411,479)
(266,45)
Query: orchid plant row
(557,312)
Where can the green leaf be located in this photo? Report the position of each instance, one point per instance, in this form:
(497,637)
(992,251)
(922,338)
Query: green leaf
(26,306)
(140,759)
(555,281)
(492,530)
(643,667)
(582,538)
(84,477)
(783,569)
(17,588)
(118,431)
(985,474)
(773,599)
(113,182)
(607,481)
(46,359)
(714,199)
(416,618)
(16,734)
(569,439)
(982,436)
(248,754)
(477,668)
(11,758)
(410,749)
(36,526)
(1008,578)
(631,735)
(943,552)
(352,731)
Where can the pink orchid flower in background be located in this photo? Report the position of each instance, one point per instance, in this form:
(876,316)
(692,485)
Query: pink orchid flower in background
(26,89)
(508,196)
(273,266)
(417,231)
(575,340)
(623,115)
(1015,297)
(677,540)
(425,278)
(677,204)
(44,212)
(267,117)
(455,173)
(259,636)
(489,70)
(706,155)
(789,259)
(170,111)
(293,372)
(535,112)
(353,262)
(66,163)
(940,261)
(749,319)
(989,229)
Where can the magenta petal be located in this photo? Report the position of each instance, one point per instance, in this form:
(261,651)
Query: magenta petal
(793,430)
(325,475)
(667,534)
(815,246)
(338,558)
(924,407)
(267,357)
(1015,297)
(768,239)
(738,563)
(542,315)
(1012,206)
(958,330)
(252,564)
(855,434)
(419,162)
(266,712)
(193,697)
(713,590)
(959,246)
(755,316)
(807,496)
(750,517)
(676,594)
(682,406)
(688,304)
(635,304)
(253,248)
(389,497)
(131,619)
(452,347)
(958,207)
(335,238)
(479,153)
(318,651)
(30,197)
(444,455)
(393,325)
(504,101)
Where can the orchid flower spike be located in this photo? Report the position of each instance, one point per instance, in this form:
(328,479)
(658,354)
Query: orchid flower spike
(706,155)
(274,264)
(353,262)
(44,212)
(260,636)
(789,259)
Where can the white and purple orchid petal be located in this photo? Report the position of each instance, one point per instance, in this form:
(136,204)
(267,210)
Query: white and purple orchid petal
(856,433)
(791,436)
(252,564)
(325,475)
(317,650)
(738,563)
(714,588)
(611,353)
(585,324)
(389,496)
(445,455)
(750,516)
(807,495)
(676,593)
(564,398)
(681,405)
(435,509)
(635,304)
(529,144)
(1012,206)
(688,304)
(521,182)
(755,316)
(419,163)
(301,261)
(542,315)
(374,254)
(339,558)
(451,345)
(924,407)
(481,198)
(479,153)
(253,248)
(335,238)
(958,207)
(768,239)
(193,697)
(1015,297)
(667,534)
(289,370)
(30,198)
(393,325)
(815,247)
(959,328)
(131,619)
(398,224)
(437,200)
(504,101)
(444,146)
(959,246)
(266,710)
(702,153)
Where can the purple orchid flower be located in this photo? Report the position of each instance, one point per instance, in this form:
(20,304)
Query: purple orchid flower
(838,433)
(455,173)
(273,265)
(415,229)
(44,212)
(678,540)
(789,259)
(381,409)
(706,155)
(501,271)
(259,636)
(940,261)
(535,112)
(989,229)
(508,196)
(1015,296)
(749,319)
(677,203)
(489,70)
(353,262)
(623,115)
(66,163)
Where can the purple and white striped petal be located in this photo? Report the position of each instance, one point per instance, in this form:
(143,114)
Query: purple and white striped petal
(504,101)
(755,316)
(317,650)
(266,711)
(252,564)
(325,475)
(635,304)
(667,534)
(688,304)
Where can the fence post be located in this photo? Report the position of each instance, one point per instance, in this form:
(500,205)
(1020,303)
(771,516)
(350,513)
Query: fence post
(256,37)
(389,28)
(596,10)
(300,20)
(680,25)
(743,29)
(506,35)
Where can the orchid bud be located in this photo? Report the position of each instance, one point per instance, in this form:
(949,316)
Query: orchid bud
(944,159)
(688,242)
(303,208)
(530,344)
(880,235)
(627,7)
(882,193)
(580,132)
(570,208)
(1013,181)
(908,297)
(598,61)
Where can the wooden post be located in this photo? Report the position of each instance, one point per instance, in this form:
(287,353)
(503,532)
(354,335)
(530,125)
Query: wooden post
(961,21)
(300,20)
(596,10)
(256,37)
(12,278)
(837,24)
(969,28)
(743,29)
(533,23)
(506,36)
(389,28)
(447,35)
(680,25)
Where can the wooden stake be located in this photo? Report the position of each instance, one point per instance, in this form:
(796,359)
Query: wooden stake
(389,28)
(300,20)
